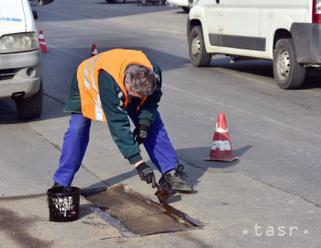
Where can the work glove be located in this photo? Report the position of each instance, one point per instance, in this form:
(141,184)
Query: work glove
(141,133)
(146,174)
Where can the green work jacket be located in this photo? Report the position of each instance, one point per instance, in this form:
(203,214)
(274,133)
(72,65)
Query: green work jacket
(117,117)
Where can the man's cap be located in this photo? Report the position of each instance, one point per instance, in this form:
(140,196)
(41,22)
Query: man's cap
(141,79)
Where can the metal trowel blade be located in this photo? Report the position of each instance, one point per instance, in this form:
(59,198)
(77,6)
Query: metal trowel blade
(163,193)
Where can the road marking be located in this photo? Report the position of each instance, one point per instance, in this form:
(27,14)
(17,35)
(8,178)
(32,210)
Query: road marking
(258,79)
(66,51)
(245,232)
(247,76)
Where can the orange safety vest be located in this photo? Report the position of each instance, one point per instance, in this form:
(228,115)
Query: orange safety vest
(114,62)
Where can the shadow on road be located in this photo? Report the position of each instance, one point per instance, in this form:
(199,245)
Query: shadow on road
(51,110)
(264,68)
(257,67)
(312,81)
(85,210)
(195,167)
(8,113)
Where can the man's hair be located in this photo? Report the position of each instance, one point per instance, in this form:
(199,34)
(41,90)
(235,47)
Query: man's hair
(140,79)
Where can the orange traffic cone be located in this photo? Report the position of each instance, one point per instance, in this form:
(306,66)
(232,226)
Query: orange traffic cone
(222,146)
(42,42)
(94,50)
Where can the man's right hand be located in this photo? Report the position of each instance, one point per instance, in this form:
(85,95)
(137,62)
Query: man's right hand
(146,174)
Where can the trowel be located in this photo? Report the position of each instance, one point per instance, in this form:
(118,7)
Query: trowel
(163,192)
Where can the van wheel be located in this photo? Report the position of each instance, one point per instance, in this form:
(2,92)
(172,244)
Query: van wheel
(31,107)
(197,51)
(287,72)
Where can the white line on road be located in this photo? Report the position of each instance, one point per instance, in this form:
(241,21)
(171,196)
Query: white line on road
(66,51)
(263,80)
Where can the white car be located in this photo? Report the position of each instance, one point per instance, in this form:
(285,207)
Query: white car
(20,71)
(184,4)
(285,31)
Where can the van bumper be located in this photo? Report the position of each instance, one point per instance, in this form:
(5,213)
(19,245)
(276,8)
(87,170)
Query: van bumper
(179,3)
(20,73)
(307,42)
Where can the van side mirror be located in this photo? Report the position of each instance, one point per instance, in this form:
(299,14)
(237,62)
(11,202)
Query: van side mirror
(35,14)
(44,2)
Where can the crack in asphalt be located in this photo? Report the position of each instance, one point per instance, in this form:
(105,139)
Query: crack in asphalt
(58,148)
(285,191)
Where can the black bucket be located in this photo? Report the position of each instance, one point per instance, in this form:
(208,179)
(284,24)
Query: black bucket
(63,204)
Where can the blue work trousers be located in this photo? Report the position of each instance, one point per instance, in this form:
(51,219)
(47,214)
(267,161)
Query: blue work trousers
(157,145)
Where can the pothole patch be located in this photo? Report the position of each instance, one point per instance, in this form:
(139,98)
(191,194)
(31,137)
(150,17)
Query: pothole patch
(134,214)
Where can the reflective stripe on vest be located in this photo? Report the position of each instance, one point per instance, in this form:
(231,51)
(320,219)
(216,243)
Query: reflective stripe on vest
(114,62)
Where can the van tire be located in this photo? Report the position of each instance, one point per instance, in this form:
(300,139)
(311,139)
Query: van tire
(31,107)
(287,72)
(197,51)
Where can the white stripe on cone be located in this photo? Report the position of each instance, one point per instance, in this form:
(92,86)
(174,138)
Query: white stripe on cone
(221,145)
(221,130)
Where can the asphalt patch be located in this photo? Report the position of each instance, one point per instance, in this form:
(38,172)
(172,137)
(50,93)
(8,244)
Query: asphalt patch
(139,214)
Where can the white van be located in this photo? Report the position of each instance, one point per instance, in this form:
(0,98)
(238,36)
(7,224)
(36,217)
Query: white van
(20,71)
(285,31)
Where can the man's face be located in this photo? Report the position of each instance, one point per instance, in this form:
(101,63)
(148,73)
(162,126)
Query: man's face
(130,91)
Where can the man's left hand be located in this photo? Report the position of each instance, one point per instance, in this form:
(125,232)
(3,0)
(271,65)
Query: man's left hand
(141,133)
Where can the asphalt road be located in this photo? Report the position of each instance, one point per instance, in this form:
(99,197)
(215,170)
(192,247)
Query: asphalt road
(276,132)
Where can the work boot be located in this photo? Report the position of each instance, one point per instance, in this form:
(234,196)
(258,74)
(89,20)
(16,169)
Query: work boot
(64,188)
(176,181)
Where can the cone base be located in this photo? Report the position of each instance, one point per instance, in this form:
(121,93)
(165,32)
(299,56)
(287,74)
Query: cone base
(43,49)
(228,158)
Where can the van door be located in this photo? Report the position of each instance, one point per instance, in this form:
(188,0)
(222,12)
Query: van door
(240,20)
(212,16)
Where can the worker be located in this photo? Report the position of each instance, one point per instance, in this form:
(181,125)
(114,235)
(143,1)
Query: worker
(111,87)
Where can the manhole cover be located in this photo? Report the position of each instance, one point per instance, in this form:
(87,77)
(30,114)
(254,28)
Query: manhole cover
(138,214)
